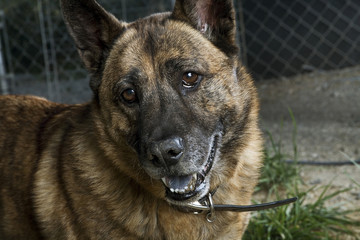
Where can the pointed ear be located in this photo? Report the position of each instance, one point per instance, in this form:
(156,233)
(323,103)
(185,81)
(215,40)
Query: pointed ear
(94,31)
(214,18)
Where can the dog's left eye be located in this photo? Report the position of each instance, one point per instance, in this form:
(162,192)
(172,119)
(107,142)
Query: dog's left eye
(190,79)
(129,95)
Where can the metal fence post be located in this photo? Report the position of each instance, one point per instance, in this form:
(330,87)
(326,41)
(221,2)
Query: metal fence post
(3,76)
(49,51)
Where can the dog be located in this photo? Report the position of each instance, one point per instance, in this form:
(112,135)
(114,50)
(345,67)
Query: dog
(173,118)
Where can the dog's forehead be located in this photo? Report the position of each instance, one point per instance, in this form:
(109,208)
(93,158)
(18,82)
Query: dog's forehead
(151,42)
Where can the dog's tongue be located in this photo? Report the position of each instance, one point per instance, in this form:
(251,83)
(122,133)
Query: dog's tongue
(180,182)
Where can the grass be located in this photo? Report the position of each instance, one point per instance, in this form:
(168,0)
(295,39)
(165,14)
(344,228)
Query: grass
(303,219)
(276,171)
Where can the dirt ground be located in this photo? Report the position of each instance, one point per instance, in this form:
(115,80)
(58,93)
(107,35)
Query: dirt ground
(326,107)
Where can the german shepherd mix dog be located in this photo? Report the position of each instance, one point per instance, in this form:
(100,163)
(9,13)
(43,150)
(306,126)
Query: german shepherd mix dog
(172,119)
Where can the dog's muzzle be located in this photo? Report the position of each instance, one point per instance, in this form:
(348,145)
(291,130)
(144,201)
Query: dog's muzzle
(181,188)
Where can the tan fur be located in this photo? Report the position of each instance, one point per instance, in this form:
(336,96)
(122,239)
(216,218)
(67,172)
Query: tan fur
(69,171)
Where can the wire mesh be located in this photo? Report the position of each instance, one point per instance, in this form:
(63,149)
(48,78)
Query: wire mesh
(277,38)
(286,38)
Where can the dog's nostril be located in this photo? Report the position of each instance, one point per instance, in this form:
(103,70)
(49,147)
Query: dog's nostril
(156,161)
(172,150)
(174,153)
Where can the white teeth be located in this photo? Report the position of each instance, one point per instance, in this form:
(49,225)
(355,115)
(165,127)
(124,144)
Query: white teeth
(178,190)
(194,177)
(190,187)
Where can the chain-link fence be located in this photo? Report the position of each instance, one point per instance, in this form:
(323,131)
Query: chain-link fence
(42,55)
(285,37)
(277,38)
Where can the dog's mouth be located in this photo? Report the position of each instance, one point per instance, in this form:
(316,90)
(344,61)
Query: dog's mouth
(182,188)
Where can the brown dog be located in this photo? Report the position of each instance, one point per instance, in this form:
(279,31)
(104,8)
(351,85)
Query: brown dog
(173,117)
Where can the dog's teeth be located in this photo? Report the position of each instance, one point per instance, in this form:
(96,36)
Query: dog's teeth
(193,182)
(194,177)
(181,189)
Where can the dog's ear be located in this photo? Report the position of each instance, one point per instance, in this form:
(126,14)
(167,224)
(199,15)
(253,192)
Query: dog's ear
(214,18)
(94,31)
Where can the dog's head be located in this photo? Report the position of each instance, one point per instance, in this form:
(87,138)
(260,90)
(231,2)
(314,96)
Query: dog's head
(171,86)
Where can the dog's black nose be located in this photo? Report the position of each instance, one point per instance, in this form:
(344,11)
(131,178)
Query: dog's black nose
(167,152)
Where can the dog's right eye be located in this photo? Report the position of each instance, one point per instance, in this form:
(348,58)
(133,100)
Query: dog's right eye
(129,95)
(190,79)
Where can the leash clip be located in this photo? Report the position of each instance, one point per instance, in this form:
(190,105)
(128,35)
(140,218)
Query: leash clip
(210,216)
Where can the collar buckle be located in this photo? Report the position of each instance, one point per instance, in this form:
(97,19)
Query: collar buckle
(206,204)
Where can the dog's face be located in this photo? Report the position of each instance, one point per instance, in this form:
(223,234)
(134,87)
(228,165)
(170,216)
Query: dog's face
(169,84)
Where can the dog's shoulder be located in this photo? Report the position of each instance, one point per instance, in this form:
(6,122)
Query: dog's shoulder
(23,119)
(15,104)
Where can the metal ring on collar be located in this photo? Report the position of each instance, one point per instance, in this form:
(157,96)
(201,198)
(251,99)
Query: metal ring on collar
(210,216)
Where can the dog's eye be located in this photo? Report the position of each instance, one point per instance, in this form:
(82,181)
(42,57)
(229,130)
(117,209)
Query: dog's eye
(190,79)
(129,95)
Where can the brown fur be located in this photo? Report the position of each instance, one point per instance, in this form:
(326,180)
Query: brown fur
(84,172)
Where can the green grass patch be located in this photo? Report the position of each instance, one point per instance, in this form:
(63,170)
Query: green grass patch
(276,173)
(303,220)
(307,218)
